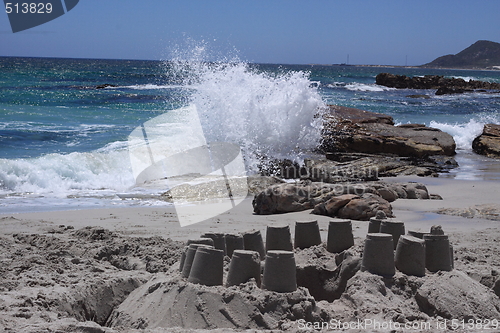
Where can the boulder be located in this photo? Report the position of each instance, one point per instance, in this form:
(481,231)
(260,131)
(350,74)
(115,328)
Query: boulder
(364,207)
(488,143)
(357,131)
(286,198)
(332,206)
(357,201)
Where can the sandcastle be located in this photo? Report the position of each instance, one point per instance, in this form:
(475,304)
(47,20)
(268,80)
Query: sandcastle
(272,265)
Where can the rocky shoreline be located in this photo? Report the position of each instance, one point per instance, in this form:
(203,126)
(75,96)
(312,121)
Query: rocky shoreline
(442,85)
(357,131)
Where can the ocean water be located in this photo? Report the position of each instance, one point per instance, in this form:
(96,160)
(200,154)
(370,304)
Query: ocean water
(64,144)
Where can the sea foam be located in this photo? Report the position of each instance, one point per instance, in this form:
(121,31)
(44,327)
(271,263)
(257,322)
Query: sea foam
(464,133)
(272,115)
(267,115)
(60,175)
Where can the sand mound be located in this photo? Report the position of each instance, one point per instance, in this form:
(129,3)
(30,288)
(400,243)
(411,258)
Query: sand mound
(81,274)
(456,295)
(171,302)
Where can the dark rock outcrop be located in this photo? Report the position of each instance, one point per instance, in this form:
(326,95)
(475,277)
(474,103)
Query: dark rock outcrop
(358,131)
(105,85)
(442,84)
(488,143)
(342,167)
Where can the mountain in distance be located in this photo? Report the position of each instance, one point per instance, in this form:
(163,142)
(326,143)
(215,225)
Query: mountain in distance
(483,54)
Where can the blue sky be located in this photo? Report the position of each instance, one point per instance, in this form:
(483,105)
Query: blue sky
(270,31)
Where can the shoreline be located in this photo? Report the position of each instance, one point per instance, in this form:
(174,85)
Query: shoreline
(162,220)
(472,168)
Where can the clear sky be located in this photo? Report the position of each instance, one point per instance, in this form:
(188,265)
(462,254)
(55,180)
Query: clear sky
(263,31)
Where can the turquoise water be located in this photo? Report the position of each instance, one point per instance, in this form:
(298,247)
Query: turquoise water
(63,142)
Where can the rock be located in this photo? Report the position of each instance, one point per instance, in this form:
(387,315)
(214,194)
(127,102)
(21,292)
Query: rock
(105,85)
(358,201)
(415,191)
(344,167)
(442,84)
(451,90)
(286,198)
(352,200)
(283,198)
(364,207)
(357,131)
(333,170)
(332,206)
(488,143)
(433,196)
(359,116)
(388,194)
(454,295)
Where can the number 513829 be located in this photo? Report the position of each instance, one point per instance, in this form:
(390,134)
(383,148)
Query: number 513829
(31,8)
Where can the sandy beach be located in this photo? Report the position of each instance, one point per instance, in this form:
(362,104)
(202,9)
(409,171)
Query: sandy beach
(162,221)
(474,240)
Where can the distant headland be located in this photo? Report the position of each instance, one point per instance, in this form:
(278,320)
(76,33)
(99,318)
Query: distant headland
(482,54)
